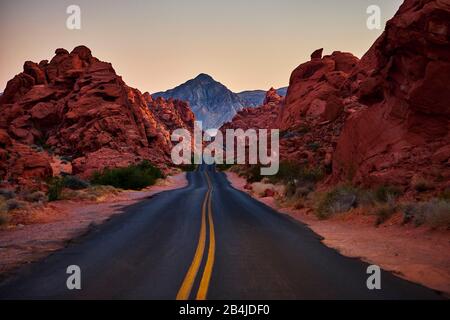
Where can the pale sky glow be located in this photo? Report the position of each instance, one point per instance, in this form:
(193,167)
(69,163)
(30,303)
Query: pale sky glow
(156,45)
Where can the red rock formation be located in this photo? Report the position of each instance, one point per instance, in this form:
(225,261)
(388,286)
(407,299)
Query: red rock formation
(314,89)
(172,113)
(78,107)
(272,97)
(382,120)
(264,117)
(404,82)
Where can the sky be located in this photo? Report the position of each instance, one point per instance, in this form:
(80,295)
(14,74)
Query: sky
(156,45)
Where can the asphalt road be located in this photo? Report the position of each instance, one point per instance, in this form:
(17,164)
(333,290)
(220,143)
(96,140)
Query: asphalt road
(205,241)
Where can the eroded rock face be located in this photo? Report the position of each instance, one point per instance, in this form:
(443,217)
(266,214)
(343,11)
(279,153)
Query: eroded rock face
(263,117)
(172,113)
(381,120)
(404,82)
(78,107)
(315,89)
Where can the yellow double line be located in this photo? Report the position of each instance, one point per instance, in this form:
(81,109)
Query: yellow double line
(189,279)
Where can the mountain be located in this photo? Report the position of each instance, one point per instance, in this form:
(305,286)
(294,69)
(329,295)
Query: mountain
(212,102)
(77,108)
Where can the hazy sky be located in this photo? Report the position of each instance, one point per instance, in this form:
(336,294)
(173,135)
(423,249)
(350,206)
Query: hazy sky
(156,45)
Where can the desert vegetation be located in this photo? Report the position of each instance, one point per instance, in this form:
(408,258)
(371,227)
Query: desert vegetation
(133,177)
(295,186)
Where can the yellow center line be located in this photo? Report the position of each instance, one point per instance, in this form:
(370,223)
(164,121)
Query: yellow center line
(186,286)
(188,282)
(204,283)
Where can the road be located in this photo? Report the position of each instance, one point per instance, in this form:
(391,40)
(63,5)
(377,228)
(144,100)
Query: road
(205,241)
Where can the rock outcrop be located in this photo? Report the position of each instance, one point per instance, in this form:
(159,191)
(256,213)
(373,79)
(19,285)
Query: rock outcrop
(77,107)
(403,82)
(381,120)
(172,113)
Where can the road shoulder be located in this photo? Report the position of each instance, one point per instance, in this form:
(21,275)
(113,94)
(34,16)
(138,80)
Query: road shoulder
(418,254)
(53,225)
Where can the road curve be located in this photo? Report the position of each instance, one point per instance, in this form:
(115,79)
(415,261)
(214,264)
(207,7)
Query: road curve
(205,241)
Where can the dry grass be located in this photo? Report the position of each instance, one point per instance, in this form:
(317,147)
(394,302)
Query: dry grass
(92,193)
(435,213)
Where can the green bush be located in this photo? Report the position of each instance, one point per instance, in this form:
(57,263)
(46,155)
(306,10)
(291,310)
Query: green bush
(55,188)
(134,177)
(75,183)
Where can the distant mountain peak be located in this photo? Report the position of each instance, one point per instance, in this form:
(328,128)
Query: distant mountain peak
(204,77)
(211,101)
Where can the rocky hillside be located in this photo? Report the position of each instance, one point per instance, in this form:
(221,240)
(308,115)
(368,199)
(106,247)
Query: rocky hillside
(76,108)
(212,102)
(383,120)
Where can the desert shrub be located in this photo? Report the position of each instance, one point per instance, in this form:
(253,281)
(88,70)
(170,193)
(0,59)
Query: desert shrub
(55,188)
(435,213)
(134,177)
(311,174)
(384,211)
(92,193)
(338,200)
(386,193)
(37,196)
(75,183)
